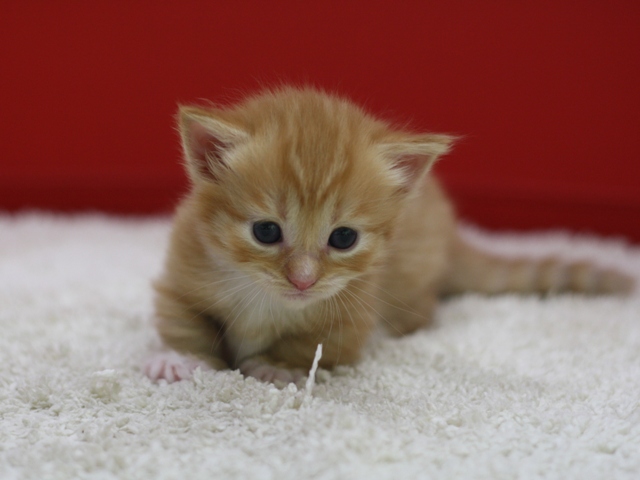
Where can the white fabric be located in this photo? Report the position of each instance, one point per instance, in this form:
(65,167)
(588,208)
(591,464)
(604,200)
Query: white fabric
(499,388)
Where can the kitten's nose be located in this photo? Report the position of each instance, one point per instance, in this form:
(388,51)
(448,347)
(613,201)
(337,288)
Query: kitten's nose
(302,283)
(303,271)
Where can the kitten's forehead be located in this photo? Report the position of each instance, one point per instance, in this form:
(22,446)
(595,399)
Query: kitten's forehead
(320,146)
(315,168)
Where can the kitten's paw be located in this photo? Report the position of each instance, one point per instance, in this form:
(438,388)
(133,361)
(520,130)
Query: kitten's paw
(266,372)
(172,367)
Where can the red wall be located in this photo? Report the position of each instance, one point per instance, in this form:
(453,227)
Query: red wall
(546,92)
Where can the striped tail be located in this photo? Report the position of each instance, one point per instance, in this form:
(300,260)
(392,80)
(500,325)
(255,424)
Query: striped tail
(475,271)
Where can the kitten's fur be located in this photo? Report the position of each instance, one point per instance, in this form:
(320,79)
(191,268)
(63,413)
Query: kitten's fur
(311,163)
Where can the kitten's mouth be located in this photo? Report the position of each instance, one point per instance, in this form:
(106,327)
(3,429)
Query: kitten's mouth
(301,298)
(297,295)
(298,299)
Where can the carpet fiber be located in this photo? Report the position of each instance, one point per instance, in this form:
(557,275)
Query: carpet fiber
(498,388)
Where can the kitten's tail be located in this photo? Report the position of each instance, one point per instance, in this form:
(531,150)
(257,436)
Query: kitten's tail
(475,271)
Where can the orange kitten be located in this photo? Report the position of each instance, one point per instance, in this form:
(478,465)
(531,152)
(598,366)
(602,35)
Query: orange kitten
(308,222)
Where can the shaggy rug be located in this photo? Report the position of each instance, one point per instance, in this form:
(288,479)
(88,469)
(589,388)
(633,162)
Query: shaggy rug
(499,388)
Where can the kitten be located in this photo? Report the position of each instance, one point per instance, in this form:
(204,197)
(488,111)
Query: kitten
(309,222)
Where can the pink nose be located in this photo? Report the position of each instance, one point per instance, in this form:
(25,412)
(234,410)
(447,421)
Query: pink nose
(302,283)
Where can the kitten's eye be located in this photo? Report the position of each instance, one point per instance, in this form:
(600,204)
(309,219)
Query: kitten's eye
(267,232)
(343,238)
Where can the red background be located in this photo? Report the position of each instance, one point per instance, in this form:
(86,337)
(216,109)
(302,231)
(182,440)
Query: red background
(547,94)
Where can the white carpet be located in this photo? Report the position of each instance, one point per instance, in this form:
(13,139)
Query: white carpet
(500,388)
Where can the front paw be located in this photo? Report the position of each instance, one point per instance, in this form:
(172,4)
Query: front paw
(264,371)
(172,367)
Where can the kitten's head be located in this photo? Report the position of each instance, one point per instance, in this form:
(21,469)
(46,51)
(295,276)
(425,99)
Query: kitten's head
(300,189)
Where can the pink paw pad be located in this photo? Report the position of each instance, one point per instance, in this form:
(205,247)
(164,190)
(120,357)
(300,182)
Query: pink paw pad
(172,367)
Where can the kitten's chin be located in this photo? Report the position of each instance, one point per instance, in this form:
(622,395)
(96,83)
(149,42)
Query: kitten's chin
(298,300)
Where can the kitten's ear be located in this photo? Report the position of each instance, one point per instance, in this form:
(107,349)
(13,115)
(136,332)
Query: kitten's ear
(206,139)
(412,156)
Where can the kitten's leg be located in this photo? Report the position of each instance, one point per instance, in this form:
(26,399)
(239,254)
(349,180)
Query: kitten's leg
(172,366)
(186,332)
(342,330)
(289,359)
(403,316)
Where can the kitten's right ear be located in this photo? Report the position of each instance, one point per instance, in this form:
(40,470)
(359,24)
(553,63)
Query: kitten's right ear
(206,140)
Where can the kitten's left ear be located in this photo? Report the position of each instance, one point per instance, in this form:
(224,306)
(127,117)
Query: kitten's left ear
(412,156)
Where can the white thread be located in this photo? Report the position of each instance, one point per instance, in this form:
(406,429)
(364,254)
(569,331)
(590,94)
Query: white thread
(311,381)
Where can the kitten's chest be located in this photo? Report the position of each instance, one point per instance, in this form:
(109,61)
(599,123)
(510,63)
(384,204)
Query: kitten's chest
(250,333)
(251,325)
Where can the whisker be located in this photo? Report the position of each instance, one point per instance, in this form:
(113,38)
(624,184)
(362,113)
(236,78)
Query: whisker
(219,338)
(260,310)
(337,297)
(339,334)
(384,291)
(413,312)
(330,316)
(355,327)
(327,316)
(210,284)
(246,326)
(231,291)
(240,304)
(273,318)
(242,301)
(364,303)
(358,310)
